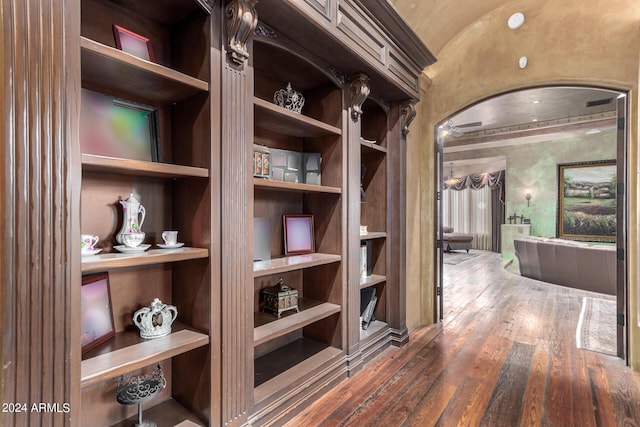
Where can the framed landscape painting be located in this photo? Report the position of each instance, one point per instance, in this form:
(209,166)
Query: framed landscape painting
(587,201)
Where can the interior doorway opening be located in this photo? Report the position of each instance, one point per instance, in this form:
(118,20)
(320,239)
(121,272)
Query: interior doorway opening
(542,136)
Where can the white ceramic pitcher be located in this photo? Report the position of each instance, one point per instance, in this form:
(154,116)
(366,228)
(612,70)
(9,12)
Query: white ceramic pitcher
(132,217)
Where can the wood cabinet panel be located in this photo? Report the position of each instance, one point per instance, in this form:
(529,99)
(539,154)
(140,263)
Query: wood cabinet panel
(364,36)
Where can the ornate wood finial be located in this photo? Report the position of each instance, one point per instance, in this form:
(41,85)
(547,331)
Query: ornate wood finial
(360,89)
(242,19)
(408,111)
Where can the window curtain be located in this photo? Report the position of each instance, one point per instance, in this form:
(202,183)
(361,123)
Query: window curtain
(475,205)
(469,211)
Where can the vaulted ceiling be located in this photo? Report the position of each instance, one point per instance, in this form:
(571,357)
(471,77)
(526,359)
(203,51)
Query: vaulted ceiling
(511,116)
(446,18)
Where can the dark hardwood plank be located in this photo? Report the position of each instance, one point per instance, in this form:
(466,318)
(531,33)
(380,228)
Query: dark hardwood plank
(505,405)
(505,354)
(534,393)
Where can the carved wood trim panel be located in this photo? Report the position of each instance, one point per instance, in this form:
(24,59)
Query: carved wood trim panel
(40,188)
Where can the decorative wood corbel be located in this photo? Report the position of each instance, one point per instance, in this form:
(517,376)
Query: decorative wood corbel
(360,89)
(408,111)
(242,18)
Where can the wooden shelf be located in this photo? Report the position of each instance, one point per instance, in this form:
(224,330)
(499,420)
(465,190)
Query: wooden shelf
(375,328)
(142,353)
(272,117)
(94,163)
(166,414)
(111,261)
(104,66)
(367,146)
(294,186)
(372,280)
(284,368)
(292,263)
(268,326)
(373,235)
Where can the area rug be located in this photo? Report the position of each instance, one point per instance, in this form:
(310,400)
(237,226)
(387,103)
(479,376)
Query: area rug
(455,258)
(596,329)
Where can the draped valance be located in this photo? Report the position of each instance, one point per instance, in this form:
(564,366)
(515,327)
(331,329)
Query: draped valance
(494,180)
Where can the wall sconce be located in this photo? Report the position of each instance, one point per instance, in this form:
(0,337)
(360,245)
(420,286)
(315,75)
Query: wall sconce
(527,195)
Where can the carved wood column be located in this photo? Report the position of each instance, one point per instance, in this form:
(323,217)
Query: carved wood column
(39,201)
(358,91)
(401,116)
(237,213)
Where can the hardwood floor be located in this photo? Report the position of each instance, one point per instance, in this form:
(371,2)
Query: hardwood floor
(505,355)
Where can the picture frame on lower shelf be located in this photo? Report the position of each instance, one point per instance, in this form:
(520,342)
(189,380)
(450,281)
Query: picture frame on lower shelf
(117,127)
(298,234)
(96,313)
(132,43)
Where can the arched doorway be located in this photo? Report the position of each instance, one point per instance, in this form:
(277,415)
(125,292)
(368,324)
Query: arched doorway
(566,116)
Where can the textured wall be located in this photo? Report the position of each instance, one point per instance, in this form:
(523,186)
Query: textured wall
(534,167)
(566,43)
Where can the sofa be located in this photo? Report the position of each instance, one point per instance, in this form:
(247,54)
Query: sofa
(454,241)
(568,263)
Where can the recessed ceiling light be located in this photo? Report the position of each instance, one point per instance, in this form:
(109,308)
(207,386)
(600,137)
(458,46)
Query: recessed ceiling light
(536,102)
(515,21)
(534,120)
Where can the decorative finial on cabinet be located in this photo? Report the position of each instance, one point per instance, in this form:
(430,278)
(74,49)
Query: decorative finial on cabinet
(408,111)
(360,89)
(241,18)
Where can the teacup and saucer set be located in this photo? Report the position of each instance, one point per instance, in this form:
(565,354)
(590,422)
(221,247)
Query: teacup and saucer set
(170,238)
(88,245)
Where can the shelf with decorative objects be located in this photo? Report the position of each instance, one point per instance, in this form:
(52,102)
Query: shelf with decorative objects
(112,261)
(127,352)
(146,143)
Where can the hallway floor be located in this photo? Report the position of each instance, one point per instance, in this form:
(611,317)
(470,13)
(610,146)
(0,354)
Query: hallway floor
(505,355)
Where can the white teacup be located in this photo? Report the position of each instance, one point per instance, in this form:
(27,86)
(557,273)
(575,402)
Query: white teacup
(133,240)
(170,237)
(88,242)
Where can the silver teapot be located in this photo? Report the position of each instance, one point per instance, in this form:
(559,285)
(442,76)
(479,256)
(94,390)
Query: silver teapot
(155,321)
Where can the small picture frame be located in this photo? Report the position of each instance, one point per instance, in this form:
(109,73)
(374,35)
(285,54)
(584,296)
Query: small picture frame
(132,43)
(116,127)
(96,315)
(298,234)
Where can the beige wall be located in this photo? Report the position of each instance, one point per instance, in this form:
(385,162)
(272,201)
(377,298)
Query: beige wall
(566,43)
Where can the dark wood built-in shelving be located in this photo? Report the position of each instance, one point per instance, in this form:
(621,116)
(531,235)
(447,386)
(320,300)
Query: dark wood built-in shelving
(167,414)
(111,261)
(292,263)
(143,353)
(372,280)
(367,146)
(268,184)
(95,163)
(373,235)
(277,119)
(268,327)
(105,66)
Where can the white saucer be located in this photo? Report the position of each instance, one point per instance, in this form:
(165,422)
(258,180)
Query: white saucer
(91,252)
(127,250)
(174,246)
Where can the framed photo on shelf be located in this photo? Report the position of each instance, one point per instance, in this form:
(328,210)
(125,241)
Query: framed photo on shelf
(298,234)
(135,44)
(96,315)
(120,128)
